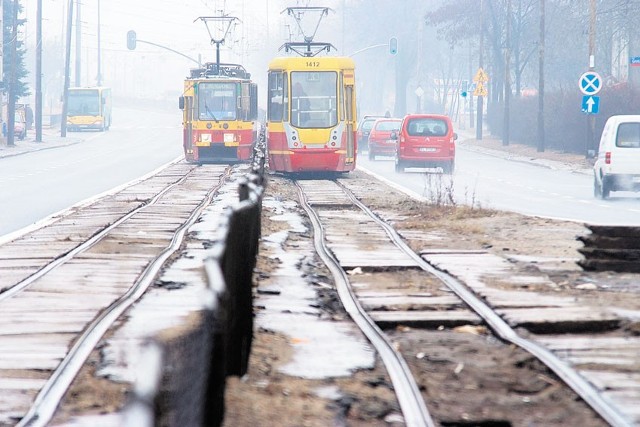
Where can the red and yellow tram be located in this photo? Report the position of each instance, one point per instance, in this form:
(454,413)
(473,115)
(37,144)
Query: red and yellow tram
(311,113)
(220,111)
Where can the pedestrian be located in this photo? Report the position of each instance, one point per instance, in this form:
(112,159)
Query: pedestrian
(28,116)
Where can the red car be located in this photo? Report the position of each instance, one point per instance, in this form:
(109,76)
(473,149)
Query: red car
(426,141)
(380,142)
(364,127)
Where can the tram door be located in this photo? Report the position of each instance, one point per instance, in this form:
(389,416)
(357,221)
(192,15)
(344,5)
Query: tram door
(349,110)
(186,104)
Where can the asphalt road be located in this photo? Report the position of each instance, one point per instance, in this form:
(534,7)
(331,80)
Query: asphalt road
(488,181)
(37,184)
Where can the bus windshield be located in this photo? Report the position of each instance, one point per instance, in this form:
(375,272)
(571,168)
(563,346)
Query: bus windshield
(217,101)
(84,103)
(313,99)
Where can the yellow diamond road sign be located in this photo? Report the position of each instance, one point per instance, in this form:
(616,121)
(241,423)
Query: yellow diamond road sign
(481,76)
(480,90)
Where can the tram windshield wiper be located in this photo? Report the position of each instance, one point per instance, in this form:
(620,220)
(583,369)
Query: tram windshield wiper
(209,112)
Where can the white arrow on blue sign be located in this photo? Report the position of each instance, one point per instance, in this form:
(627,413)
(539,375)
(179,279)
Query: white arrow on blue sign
(590,83)
(590,104)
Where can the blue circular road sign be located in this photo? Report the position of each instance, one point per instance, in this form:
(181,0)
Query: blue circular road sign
(590,83)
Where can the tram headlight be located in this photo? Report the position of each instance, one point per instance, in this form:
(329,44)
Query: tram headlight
(205,137)
(229,137)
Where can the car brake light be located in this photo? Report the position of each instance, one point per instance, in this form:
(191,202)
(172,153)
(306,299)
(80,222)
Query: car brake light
(607,157)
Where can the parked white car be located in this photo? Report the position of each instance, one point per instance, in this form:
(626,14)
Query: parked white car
(617,167)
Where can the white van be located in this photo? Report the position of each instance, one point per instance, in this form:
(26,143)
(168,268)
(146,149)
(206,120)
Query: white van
(617,167)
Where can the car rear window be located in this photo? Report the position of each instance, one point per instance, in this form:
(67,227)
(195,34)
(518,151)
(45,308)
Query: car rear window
(367,124)
(628,135)
(427,127)
(388,126)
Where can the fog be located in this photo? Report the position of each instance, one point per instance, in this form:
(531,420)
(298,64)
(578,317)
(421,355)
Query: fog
(438,52)
(151,72)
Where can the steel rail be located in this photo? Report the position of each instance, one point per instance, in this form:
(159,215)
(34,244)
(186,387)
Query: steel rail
(47,401)
(409,397)
(502,329)
(27,281)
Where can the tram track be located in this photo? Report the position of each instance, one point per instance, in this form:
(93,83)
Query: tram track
(78,295)
(409,397)
(328,201)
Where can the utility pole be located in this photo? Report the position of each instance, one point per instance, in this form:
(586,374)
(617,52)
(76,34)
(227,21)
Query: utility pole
(67,61)
(480,107)
(469,91)
(78,45)
(11,105)
(4,85)
(507,79)
(541,135)
(591,119)
(99,77)
(38,112)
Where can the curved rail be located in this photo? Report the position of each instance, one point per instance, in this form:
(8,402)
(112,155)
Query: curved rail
(583,388)
(53,391)
(411,402)
(23,284)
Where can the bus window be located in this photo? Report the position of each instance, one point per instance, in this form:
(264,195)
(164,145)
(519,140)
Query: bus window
(313,102)
(84,103)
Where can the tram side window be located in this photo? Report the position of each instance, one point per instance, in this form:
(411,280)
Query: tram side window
(276,96)
(253,114)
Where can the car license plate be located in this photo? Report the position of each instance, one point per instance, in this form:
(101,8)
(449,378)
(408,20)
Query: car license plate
(427,149)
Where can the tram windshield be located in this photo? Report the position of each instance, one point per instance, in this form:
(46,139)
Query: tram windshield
(314,99)
(217,101)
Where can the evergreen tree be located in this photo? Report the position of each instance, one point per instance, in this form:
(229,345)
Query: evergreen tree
(21,89)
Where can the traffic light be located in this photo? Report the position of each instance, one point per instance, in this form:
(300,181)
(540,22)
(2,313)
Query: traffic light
(393,46)
(131,40)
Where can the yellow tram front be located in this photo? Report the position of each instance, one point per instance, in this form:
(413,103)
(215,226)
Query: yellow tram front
(311,112)
(220,111)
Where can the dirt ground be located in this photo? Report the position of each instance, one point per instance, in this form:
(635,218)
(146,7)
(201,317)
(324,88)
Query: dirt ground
(469,377)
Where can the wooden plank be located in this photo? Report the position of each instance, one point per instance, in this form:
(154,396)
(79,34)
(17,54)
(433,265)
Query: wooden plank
(499,298)
(425,319)
(414,302)
(607,380)
(614,230)
(561,320)
(20,384)
(578,343)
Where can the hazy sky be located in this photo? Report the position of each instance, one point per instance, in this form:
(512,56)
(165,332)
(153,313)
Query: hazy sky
(165,22)
(260,30)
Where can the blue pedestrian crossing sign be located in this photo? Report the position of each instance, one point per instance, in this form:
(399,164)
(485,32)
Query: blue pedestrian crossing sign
(590,83)
(590,104)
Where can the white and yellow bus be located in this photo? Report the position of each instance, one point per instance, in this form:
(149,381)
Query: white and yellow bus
(89,108)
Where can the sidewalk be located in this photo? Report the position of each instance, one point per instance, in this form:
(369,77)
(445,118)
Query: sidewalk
(551,159)
(50,139)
